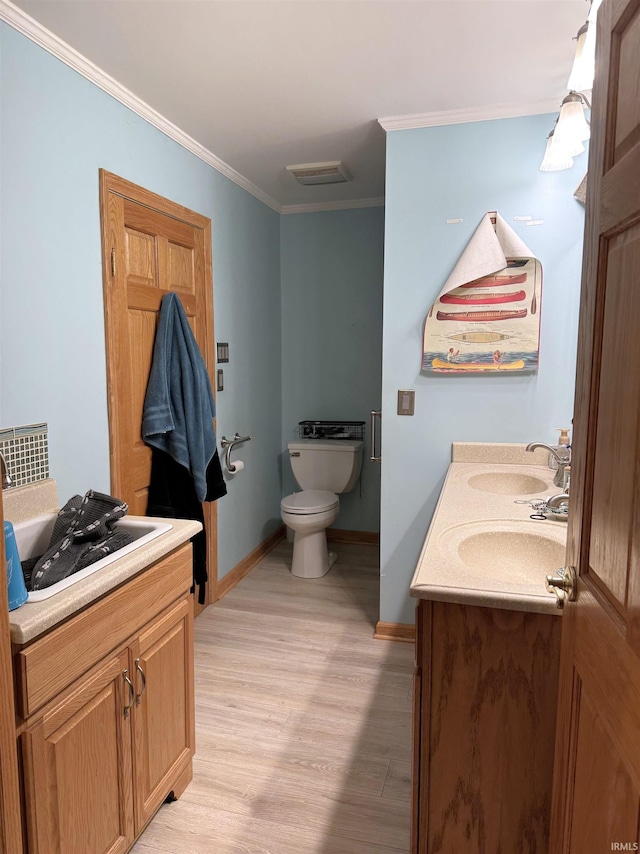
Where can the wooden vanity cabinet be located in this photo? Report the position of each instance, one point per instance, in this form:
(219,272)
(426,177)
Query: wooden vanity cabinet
(100,757)
(485,697)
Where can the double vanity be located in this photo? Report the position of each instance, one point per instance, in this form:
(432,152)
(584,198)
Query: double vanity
(487,656)
(103,672)
(103,675)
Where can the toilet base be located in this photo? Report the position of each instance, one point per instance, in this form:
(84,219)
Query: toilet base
(311,557)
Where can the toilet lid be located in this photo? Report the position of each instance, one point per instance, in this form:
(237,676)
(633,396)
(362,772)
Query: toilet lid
(310,501)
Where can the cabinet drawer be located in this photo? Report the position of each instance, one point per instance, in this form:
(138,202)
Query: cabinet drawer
(51,663)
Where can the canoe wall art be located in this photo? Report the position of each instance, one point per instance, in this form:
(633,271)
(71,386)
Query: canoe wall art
(487,316)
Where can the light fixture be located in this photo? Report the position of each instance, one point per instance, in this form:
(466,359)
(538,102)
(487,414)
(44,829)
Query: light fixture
(584,63)
(581,77)
(572,128)
(555,158)
(332,172)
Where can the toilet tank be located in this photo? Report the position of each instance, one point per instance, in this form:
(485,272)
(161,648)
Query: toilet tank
(333,465)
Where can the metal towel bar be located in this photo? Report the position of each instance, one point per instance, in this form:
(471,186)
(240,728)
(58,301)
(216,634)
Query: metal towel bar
(230,444)
(375,414)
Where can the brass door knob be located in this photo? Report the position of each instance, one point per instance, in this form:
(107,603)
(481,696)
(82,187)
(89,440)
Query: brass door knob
(563,584)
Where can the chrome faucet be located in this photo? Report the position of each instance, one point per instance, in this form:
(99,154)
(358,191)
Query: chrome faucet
(6,479)
(556,501)
(563,460)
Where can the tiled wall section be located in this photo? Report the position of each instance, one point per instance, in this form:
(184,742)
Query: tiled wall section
(26,453)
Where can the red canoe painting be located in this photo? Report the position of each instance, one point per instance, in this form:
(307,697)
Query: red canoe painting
(486,306)
(492,281)
(481,316)
(482,299)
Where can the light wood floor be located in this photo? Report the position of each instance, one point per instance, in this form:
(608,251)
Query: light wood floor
(303,720)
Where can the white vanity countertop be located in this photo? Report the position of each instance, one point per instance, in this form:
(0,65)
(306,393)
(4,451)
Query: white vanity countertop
(33,618)
(469,556)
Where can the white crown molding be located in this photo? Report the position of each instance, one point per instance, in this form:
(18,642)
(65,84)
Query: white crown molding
(316,207)
(43,37)
(469,114)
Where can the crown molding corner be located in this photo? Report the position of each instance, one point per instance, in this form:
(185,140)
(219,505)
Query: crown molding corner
(317,207)
(33,30)
(469,114)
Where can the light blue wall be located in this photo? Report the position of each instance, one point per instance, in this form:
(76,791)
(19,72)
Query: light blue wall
(464,171)
(332,336)
(57,131)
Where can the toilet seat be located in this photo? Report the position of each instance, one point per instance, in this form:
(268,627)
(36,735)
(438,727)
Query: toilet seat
(309,501)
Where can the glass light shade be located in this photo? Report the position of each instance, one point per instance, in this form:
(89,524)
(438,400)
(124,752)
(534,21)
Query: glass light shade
(593,11)
(555,157)
(572,128)
(584,63)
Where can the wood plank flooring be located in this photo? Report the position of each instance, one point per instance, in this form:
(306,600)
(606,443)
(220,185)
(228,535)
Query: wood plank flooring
(303,720)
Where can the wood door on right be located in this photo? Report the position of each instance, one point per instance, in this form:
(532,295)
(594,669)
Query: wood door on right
(596,801)
(163,714)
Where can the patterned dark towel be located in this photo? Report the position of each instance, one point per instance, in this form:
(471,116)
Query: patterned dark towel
(83,534)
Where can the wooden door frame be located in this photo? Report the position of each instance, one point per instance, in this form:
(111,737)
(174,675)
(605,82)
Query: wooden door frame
(10,806)
(110,183)
(587,392)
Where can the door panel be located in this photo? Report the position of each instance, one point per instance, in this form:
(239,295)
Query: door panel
(617,421)
(606,801)
(596,797)
(150,247)
(78,770)
(164,727)
(628,106)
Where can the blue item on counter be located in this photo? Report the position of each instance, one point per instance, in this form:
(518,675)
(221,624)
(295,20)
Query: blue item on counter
(16,589)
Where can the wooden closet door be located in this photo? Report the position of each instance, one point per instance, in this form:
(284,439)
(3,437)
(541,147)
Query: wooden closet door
(151,246)
(596,802)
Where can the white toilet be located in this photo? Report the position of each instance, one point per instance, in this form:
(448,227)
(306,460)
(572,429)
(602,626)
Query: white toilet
(323,468)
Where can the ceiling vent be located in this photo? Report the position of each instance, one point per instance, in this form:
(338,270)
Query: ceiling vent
(333,172)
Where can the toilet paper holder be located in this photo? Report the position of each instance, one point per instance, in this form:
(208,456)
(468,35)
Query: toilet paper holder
(229,445)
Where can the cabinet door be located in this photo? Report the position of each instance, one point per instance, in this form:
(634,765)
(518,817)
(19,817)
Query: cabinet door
(163,719)
(77,768)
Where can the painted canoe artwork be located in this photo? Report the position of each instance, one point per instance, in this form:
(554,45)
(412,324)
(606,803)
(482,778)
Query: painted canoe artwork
(442,365)
(485,319)
(481,316)
(479,337)
(492,281)
(482,299)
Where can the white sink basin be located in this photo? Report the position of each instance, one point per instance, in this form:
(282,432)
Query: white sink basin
(33,537)
(508,483)
(508,551)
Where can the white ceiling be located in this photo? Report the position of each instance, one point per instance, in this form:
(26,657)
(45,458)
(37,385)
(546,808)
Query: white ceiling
(266,83)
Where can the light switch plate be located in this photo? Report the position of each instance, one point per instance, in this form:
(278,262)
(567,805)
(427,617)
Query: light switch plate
(406,401)
(219,380)
(222,350)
